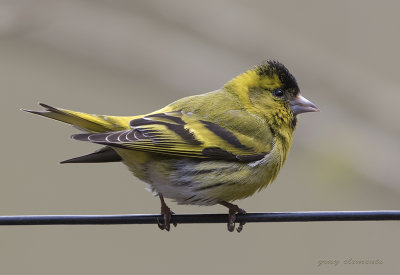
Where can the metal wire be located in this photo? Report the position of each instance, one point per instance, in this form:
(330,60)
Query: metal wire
(203,218)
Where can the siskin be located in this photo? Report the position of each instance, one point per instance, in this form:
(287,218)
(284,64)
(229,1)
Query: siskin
(206,149)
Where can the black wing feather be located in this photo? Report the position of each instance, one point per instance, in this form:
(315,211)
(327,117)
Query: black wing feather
(105,154)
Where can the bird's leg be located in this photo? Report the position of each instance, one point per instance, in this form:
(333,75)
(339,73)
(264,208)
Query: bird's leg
(233,210)
(167,213)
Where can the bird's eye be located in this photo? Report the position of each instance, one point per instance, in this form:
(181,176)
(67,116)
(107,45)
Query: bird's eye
(278,93)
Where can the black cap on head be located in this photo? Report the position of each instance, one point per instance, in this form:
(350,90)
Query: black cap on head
(271,67)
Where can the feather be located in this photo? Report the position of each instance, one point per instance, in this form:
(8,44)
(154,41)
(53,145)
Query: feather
(177,134)
(105,154)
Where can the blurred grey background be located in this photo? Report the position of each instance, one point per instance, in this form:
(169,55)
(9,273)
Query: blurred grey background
(130,57)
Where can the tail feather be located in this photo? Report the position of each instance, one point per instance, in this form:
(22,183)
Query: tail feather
(105,154)
(87,122)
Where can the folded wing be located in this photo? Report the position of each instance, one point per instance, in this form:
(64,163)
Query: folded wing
(178,134)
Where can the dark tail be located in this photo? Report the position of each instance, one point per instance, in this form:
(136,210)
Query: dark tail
(105,154)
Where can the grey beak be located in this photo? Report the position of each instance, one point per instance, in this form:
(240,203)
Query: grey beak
(302,105)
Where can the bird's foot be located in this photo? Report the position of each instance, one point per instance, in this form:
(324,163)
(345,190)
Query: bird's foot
(167,214)
(232,219)
(233,210)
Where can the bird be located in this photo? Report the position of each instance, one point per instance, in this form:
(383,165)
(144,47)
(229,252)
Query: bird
(207,149)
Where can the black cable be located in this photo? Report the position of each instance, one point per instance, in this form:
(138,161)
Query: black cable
(203,218)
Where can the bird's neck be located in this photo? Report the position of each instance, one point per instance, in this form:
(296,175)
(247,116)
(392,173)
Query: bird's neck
(282,126)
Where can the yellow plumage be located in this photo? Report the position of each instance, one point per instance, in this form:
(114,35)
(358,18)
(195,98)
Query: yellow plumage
(206,149)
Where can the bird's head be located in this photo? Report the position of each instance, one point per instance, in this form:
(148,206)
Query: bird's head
(270,87)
